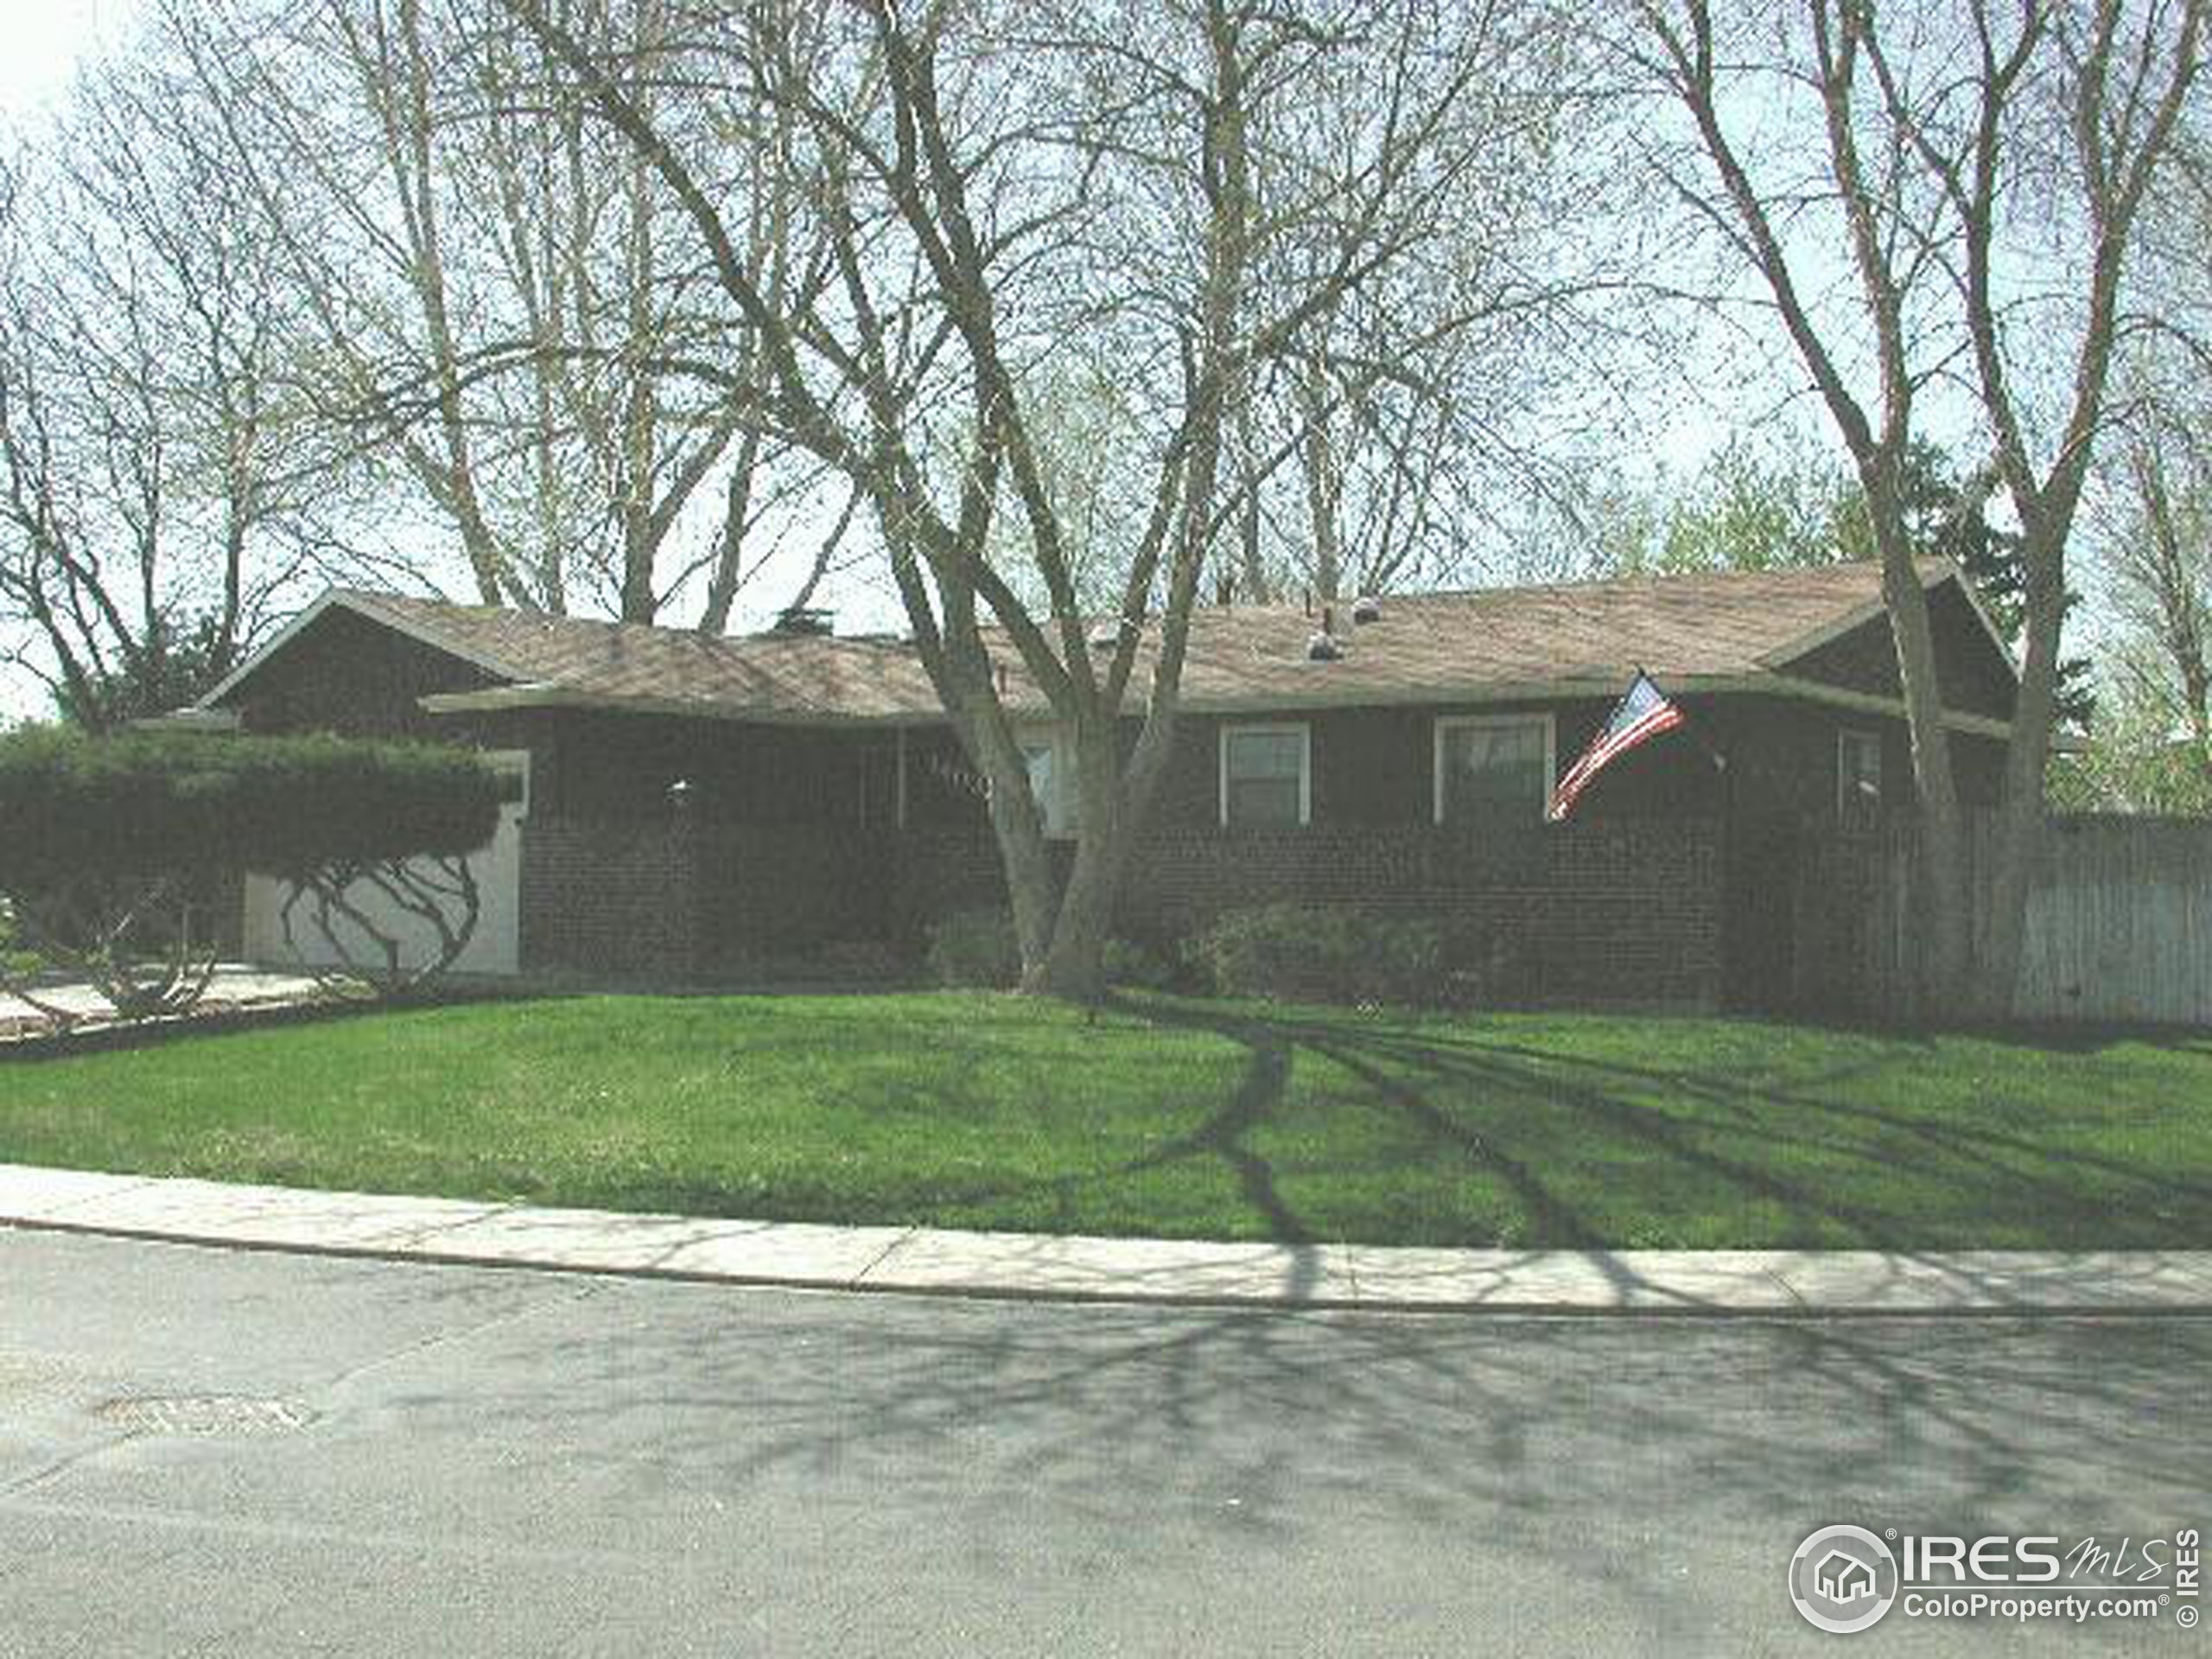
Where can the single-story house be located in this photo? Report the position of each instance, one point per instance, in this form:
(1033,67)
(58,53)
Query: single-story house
(695,804)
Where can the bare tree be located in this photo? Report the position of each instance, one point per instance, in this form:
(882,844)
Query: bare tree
(1383,449)
(2163,563)
(998,193)
(159,486)
(494,297)
(1947,135)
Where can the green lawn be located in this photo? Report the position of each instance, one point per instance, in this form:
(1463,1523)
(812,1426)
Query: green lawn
(1176,1118)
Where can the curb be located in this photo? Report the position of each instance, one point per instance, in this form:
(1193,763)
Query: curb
(1039,1268)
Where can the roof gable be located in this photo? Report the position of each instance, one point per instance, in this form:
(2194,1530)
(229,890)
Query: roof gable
(1978,673)
(416,619)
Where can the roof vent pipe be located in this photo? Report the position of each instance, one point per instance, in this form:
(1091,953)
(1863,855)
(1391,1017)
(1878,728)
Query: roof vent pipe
(1321,646)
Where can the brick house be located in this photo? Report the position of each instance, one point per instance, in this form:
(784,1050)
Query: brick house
(697,805)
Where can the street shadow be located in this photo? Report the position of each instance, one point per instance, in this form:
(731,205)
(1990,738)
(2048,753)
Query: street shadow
(1569,1445)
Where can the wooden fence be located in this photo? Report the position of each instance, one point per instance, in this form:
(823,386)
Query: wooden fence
(2119,926)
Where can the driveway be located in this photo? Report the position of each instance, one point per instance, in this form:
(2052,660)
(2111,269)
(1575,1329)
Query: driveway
(205,1452)
(233,986)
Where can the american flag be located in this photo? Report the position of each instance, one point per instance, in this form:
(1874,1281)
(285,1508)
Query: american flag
(1643,712)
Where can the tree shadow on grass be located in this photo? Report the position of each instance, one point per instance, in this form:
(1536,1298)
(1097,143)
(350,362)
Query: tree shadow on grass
(1462,1091)
(1258,1093)
(2085,1037)
(1584,1150)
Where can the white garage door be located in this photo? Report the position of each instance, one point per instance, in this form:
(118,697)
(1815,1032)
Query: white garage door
(494,948)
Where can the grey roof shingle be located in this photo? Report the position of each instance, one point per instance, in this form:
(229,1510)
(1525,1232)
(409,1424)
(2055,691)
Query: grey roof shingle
(785,675)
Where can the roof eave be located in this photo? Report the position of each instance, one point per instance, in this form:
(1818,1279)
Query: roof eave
(550,695)
(553,694)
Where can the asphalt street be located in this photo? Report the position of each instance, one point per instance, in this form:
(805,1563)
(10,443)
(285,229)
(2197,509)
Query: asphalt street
(220,1453)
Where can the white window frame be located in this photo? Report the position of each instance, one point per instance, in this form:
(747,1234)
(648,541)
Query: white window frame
(1302,730)
(515,762)
(1845,737)
(1059,806)
(1448,724)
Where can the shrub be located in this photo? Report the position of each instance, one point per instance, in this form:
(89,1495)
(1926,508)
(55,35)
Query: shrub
(1133,963)
(112,848)
(1325,954)
(975,948)
(14,957)
(144,804)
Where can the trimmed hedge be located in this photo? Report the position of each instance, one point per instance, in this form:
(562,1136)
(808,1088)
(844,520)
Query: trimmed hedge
(1325,954)
(145,803)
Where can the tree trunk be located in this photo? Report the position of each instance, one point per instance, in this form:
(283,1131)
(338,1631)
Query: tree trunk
(2020,815)
(1073,963)
(729,544)
(1028,864)
(1945,910)
(1321,484)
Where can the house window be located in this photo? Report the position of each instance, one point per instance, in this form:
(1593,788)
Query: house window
(1493,766)
(1859,777)
(515,764)
(1267,775)
(1050,784)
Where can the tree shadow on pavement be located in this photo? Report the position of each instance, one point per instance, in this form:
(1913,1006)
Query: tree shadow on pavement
(1574,1446)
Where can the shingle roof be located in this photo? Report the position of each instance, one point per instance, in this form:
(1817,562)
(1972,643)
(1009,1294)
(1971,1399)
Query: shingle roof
(1704,626)
(769,674)
(1434,647)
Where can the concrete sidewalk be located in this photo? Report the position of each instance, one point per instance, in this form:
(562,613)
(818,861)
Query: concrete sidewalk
(917,1260)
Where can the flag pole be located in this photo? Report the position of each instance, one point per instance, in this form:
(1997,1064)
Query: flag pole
(1696,729)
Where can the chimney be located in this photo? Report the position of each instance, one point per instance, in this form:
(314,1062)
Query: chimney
(810,621)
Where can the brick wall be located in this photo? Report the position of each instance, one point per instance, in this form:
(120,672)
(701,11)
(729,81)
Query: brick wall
(680,899)
(1631,912)
(1604,911)
(765,892)
(601,896)
(1608,910)
(937,872)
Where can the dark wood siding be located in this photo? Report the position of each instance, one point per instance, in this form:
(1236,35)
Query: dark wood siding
(1975,675)
(345,674)
(1377,766)
(622,767)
